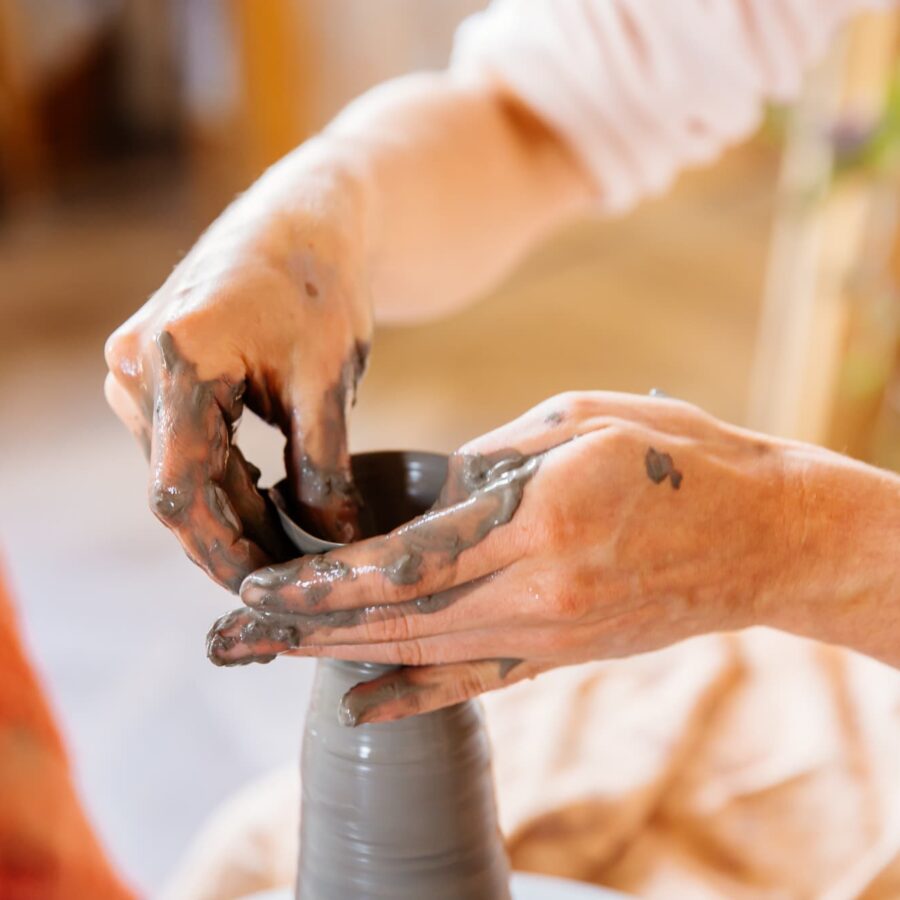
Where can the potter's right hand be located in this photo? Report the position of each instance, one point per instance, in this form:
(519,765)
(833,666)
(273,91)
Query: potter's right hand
(270,308)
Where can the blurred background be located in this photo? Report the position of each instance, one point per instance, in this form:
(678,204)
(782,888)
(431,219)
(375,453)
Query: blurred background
(764,289)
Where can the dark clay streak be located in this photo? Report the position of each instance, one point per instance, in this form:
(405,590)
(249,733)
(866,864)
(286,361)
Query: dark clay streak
(491,485)
(361,353)
(293,629)
(169,502)
(312,575)
(331,569)
(205,412)
(354,706)
(507,665)
(327,495)
(168,354)
(255,508)
(554,418)
(315,594)
(214,559)
(660,466)
(497,483)
(367,697)
(407,569)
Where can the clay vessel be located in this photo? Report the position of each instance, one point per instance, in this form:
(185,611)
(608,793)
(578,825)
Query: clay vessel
(400,810)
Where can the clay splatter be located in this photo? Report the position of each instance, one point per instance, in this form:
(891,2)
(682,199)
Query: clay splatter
(507,665)
(201,485)
(485,492)
(660,466)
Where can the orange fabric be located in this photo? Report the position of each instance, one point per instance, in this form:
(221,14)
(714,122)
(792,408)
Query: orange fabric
(48,850)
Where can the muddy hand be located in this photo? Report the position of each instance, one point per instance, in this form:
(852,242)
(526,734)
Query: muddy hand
(269,310)
(597,525)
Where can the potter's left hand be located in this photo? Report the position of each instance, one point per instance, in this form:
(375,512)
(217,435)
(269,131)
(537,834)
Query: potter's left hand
(596,525)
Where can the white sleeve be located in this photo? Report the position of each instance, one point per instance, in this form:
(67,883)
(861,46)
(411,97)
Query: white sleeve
(641,88)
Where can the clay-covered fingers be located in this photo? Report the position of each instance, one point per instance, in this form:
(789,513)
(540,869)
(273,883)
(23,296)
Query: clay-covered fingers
(317,457)
(245,636)
(189,463)
(432,553)
(498,603)
(410,691)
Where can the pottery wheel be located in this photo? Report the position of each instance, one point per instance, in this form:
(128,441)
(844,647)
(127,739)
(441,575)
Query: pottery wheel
(524,887)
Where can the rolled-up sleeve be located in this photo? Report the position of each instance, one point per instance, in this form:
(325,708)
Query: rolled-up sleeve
(640,89)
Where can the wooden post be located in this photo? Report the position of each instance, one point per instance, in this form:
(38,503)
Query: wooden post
(821,229)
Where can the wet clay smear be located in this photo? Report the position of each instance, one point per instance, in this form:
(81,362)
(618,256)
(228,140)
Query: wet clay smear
(250,635)
(507,664)
(201,485)
(290,602)
(403,689)
(660,467)
(328,502)
(481,493)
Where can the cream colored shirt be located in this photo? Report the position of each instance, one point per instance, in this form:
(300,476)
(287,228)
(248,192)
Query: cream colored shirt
(642,88)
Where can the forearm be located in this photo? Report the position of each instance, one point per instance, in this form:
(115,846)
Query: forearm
(843,583)
(446,184)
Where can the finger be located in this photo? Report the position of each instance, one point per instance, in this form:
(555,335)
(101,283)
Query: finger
(570,415)
(481,604)
(486,602)
(432,553)
(441,649)
(317,458)
(243,636)
(189,449)
(410,691)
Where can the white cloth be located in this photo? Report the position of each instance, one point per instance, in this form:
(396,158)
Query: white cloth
(642,88)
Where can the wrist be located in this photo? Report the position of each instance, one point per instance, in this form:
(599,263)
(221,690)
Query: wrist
(842,530)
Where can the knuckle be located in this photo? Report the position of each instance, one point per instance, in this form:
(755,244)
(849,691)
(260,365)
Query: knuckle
(390,625)
(122,356)
(412,653)
(568,604)
(168,501)
(577,404)
(618,437)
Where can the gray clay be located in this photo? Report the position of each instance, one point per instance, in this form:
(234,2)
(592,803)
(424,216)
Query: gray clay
(399,810)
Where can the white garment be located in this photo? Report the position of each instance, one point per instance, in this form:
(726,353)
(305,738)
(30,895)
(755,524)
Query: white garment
(642,88)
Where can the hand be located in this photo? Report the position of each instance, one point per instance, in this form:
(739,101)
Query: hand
(269,309)
(596,525)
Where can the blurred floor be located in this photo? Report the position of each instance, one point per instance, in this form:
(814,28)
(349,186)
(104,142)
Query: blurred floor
(115,614)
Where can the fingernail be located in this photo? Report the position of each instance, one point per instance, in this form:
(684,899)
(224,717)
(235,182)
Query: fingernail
(218,648)
(217,645)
